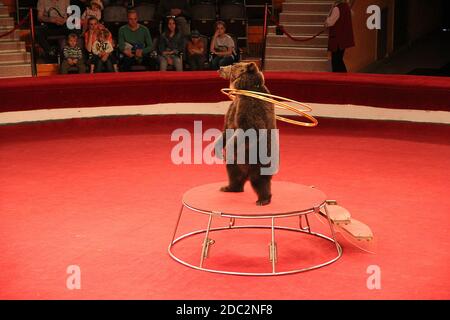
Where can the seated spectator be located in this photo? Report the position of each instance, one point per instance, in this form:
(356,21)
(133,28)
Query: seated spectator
(72,56)
(90,36)
(135,43)
(94,10)
(171,46)
(102,51)
(179,9)
(196,52)
(222,47)
(53,15)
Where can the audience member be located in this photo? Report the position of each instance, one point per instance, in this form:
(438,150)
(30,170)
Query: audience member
(90,36)
(179,9)
(53,15)
(171,45)
(196,52)
(72,56)
(339,23)
(135,43)
(102,51)
(222,47)
(94,10)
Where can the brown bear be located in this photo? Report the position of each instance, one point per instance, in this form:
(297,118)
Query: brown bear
(249,113)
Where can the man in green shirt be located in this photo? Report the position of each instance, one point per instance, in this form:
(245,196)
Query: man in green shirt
(135,43)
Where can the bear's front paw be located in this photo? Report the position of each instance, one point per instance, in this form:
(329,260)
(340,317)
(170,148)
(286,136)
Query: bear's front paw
(263,202)
(229,189)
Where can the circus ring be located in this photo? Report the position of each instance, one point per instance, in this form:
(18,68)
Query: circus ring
(96,188)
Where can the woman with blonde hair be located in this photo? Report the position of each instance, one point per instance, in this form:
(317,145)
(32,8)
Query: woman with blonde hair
(339,24)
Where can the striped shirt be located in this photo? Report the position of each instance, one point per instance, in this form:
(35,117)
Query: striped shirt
(72,52)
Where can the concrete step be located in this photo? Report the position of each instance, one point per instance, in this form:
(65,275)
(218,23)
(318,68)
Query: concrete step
(47,69)
(292,52)
(307,6)
(298,18)
(10,37)
(15,70)
(4,11)
(284,41)
(11,46)
(299,29)
(297,64)
(14,57)
(7,22)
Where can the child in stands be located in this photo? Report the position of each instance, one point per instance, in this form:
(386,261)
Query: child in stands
(196,51)
(72,56)
(94,10)
(103,51)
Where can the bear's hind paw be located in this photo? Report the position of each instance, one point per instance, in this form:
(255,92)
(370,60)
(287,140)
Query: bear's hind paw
(229,189)
(263,202)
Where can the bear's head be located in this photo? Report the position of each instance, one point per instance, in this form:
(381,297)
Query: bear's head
(244,76)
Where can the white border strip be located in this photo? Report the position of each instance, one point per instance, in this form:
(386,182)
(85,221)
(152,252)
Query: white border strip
(219,108)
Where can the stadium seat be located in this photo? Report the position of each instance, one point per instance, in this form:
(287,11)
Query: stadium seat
(234,16)
(146,13)
(114,17)
(203,18)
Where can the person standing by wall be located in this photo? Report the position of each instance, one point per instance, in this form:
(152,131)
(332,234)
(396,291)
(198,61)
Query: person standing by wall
(339,24)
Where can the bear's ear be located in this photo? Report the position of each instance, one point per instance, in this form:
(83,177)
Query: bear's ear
(252,68)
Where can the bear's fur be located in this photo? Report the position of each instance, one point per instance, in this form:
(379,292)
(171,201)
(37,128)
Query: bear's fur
(246,113)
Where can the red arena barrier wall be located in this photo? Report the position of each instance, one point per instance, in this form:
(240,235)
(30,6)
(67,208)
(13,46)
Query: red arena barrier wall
(87,90)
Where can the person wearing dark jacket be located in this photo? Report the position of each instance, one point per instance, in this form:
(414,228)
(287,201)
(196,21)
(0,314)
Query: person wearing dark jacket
(339,24)
(171,46)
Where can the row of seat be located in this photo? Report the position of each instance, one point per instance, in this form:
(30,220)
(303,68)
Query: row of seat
(203,16)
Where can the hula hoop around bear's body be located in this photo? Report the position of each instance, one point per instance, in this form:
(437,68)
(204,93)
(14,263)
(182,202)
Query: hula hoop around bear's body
(231,93)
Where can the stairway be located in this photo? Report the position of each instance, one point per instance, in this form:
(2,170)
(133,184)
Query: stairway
(15,61)
(301,19)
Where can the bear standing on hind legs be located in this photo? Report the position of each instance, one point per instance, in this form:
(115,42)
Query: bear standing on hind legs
(248,113)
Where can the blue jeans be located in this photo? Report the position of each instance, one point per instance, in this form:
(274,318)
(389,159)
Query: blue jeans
(178,64)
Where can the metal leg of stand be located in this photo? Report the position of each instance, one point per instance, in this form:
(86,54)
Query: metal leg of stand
(338,247)
(301,227)
(206,243)
(231,223)
(176,226)
(273,247)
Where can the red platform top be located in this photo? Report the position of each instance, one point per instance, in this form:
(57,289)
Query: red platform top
(287,198)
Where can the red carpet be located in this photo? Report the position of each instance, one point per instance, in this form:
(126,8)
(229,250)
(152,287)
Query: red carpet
(93,90)
(104,195)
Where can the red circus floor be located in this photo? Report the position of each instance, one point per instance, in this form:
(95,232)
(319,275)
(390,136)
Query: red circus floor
(103,194)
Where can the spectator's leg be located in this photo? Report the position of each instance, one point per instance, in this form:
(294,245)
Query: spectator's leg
(201,62)
(114,60)
(197,62)
(41,38)
(98,65)
(127,62)
(64,69)
(109,65)
(81,66)
(343,67)
(226,61)
(337,61)
(162,63)
(178,64)
(215,63)
(183,26)
(192,62)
